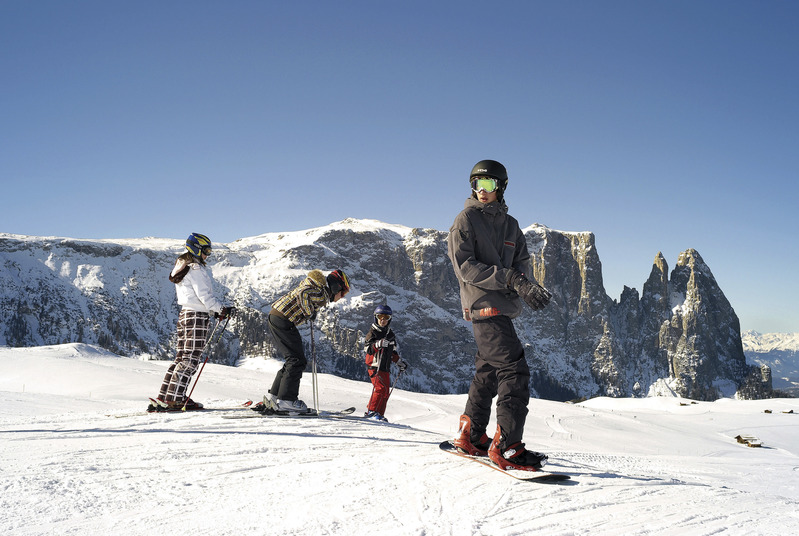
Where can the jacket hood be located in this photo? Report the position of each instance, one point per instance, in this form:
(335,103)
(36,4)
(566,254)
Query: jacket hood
(317,277)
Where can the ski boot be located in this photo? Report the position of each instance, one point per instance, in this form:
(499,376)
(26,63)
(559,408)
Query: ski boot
(189,405)
(515,456)
(291,406)
(156,404)
(467,444)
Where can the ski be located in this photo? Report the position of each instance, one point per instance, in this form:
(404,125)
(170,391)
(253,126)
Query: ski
(376,422)
(290,414)
(243,405)
(527,476)
(311,413)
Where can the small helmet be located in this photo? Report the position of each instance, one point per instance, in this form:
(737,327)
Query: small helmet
(493,169)
(198,244)
(338,282)
(383,310)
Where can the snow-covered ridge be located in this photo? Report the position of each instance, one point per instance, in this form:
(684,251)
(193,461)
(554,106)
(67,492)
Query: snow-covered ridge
(779,352)
(769,342)
(115,293)
(309,236)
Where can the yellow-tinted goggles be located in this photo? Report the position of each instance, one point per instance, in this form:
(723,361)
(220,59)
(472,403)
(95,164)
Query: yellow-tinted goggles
(383,317)
(485,184)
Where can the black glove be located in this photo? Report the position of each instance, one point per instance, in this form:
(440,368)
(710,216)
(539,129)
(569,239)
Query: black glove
(402,365)
(227,312)
(533,294)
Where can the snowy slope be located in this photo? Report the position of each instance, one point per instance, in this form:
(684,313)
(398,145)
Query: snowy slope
(71,462)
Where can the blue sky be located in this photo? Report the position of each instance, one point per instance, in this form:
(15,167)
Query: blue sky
(658,126)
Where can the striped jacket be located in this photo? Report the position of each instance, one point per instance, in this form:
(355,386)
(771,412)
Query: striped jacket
(304,301)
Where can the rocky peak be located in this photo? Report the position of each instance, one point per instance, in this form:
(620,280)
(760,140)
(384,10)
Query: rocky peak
(702,337)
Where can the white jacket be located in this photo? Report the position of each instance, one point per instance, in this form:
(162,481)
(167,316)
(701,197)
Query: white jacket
(195,292)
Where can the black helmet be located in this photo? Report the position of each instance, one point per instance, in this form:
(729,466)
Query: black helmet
(491,168)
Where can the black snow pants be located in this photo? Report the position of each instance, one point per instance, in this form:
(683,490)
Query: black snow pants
(501,371)
(289,343)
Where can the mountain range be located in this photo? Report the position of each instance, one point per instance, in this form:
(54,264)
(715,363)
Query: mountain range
(679,335)
(779,352)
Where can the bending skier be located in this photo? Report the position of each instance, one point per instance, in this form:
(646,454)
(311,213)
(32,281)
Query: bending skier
(380,346)
(193,285)
(296,307)
(490,258)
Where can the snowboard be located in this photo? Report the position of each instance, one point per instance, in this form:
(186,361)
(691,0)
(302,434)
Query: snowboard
(526,476)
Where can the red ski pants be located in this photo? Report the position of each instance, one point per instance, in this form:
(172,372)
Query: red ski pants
(381,382)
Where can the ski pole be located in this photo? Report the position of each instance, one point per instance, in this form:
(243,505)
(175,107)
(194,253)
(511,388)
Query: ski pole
(211,342)
(313,372)
(379,356)
(396,381)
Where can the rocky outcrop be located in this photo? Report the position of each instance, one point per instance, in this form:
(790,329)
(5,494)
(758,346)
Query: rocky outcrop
(680,330)
(702,337)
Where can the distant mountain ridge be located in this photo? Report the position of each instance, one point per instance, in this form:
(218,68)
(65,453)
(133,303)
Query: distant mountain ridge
(679,335)
(778,351)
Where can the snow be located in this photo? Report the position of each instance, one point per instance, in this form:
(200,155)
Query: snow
(75,458)
(770,342)
(310,236)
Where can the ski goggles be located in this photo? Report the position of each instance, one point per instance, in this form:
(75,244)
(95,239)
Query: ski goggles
(205,250)
(485,184)
(383,317)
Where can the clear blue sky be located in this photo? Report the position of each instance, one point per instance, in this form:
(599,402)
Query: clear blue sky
(659,126)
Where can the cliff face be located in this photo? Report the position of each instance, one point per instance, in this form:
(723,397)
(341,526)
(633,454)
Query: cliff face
(702,339)
(681,333)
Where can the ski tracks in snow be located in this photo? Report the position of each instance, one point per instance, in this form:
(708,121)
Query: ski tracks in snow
(279,476)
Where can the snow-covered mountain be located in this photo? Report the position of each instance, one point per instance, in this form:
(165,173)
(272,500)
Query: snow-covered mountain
(79,456)
(680,335)
(778,351)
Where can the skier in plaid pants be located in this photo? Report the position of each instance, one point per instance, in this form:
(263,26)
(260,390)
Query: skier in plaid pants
(193,285)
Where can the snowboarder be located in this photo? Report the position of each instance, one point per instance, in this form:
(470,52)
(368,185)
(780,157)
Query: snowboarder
(380,346)
(296,307)
(193,285)
(490,258)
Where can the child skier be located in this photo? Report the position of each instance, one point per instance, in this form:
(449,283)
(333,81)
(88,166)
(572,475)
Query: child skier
(193,283)
(380,353)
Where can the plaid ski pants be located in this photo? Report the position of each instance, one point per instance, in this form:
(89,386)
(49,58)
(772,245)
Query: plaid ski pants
(192,332)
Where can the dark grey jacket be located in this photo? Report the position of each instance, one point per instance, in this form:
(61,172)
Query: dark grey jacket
(483,244)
